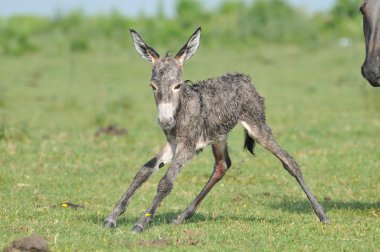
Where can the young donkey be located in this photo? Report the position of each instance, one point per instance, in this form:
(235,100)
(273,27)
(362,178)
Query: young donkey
(194,116)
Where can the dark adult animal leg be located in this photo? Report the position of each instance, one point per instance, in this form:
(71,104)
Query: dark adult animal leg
(142,175)
(164,187)
(263,134)
(222,163)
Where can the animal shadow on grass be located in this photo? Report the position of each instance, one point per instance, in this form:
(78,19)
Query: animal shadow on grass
(303,206)
(166,218)
(209,217)
(127,220)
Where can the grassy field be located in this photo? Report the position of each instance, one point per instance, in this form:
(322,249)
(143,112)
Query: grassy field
(321,110)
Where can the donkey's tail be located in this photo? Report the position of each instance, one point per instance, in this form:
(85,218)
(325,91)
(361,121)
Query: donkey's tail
(249,143)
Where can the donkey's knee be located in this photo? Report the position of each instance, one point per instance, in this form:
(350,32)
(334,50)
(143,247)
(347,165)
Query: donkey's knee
(290,164)
(293,170)
(142,175)
(219,170)
(166,185)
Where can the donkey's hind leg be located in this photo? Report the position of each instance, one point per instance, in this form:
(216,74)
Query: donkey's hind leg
(222,163)
(263,134)
(142,175)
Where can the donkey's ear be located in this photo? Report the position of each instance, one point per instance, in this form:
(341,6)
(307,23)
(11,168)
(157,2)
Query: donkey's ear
(189,48)
(143,49)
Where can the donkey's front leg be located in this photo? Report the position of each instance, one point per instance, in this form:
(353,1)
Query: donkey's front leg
(222,163)
(164,157)
(165,186)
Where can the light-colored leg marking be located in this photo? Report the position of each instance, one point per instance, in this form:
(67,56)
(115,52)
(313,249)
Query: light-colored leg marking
(167,153)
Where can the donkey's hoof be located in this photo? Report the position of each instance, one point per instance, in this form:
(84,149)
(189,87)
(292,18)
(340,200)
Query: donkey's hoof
(109,224)
(323,218)
(137,229)
(325,221)
(177,221)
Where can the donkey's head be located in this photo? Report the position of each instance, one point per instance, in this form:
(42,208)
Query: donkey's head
(166,80)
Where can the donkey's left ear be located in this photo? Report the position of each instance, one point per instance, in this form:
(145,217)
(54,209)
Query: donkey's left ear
(189,48)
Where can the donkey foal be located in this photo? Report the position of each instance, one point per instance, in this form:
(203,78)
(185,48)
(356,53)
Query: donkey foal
(194,116)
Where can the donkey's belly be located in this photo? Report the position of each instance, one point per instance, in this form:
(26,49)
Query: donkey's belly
(214,129)
(205,141)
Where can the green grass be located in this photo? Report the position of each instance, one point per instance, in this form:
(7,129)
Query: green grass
(318,105)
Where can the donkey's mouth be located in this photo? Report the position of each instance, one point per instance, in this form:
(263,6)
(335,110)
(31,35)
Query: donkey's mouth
(375,82)
(166,125)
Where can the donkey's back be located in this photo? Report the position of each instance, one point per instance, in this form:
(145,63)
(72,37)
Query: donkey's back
(227,99)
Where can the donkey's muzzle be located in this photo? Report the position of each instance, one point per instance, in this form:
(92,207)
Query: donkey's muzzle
(166,115)
(166,123)
(371,72)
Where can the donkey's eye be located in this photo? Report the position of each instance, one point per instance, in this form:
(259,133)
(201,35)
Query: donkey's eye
(177,87)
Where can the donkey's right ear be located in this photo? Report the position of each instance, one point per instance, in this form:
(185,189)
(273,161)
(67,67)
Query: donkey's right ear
(143,49)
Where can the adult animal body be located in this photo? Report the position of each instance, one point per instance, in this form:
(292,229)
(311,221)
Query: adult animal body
(371,27)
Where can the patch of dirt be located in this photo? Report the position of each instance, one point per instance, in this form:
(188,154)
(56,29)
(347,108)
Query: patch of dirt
(32,243)
(17,229)
(188,232)
(190,240)
(111,130)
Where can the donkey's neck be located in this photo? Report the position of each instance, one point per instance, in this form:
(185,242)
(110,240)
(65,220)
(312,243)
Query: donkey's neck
(188,114)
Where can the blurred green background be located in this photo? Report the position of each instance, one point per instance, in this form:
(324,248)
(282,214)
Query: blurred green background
(229,24)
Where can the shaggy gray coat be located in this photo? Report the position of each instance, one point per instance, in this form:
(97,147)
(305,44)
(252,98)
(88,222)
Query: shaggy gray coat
(193,116)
